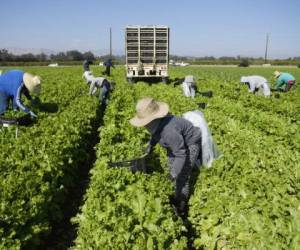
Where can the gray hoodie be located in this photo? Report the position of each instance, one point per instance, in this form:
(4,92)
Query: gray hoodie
(176,134)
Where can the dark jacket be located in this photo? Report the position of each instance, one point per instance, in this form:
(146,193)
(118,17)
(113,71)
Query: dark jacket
(86,65)
(108,63)
(176,135)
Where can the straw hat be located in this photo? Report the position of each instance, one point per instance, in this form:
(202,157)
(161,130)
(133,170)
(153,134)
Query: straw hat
(147,110)
(276,74)
(32,83)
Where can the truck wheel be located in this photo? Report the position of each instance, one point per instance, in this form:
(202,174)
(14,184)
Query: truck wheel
(165,80)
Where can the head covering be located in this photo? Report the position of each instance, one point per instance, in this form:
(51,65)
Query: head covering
(244,79)
(276,74)
(147,110)
(32,83)
(189,79)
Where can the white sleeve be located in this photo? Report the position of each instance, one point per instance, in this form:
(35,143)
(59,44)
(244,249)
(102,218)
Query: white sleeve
(93,88)
(251,86)
(266,89)
(186,89)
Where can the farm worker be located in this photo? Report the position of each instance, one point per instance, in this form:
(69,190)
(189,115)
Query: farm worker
(189,86)
(105,88)
(98,82)
(86,65)
(88,75)
(256,83)
(108,63)
(13,84)
(284,81)
(181,139)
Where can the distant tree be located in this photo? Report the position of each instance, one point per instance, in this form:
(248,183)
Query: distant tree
(61,56)
(227,58)
(88,56)
(244,63)
(74,55)
(41,57)
(28,57)
(5,56)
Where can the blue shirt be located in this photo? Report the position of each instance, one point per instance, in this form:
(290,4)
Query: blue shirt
(12,85)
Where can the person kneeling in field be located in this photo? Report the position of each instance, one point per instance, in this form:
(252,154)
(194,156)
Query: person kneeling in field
(13,84)
(256,83)
(284,81)
(181,139)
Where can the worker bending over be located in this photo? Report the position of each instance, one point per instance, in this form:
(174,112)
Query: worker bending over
(13,84)
(284,81)
(256,84)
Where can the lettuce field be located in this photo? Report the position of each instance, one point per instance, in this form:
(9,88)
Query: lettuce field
(249,199)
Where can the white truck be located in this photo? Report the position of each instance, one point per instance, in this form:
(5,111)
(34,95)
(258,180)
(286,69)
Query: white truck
(147,52)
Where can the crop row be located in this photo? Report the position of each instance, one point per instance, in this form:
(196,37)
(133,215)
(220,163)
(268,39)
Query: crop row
(40,167)
(249,199)
(125,210)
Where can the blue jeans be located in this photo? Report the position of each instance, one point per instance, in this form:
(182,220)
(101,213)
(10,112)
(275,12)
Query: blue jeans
(3,103)
(103,96)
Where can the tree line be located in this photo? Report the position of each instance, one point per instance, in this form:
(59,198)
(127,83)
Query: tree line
(76,57)
(72,55)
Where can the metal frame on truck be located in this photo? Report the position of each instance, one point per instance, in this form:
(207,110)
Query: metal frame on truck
(147,52)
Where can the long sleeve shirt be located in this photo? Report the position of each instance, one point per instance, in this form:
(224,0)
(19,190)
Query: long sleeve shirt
(12,85)
(176,134)
(97,82)
(257,82)
(283,79)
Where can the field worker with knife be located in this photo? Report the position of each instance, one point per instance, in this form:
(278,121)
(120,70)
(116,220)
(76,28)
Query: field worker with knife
(181,139)
(284,81)
(256,84)
(13,84)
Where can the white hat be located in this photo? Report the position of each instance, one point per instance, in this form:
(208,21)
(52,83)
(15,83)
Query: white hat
(276,74)
(244,79)
(189,79)
(147,110)
(32,83)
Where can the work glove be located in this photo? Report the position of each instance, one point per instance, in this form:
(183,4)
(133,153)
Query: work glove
(32,115)
(35,101)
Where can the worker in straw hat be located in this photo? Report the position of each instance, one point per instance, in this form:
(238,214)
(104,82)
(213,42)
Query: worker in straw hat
(181,139)
(13,84)
(284,81)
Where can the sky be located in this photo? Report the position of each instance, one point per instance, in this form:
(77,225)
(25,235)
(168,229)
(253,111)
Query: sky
(197,27)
